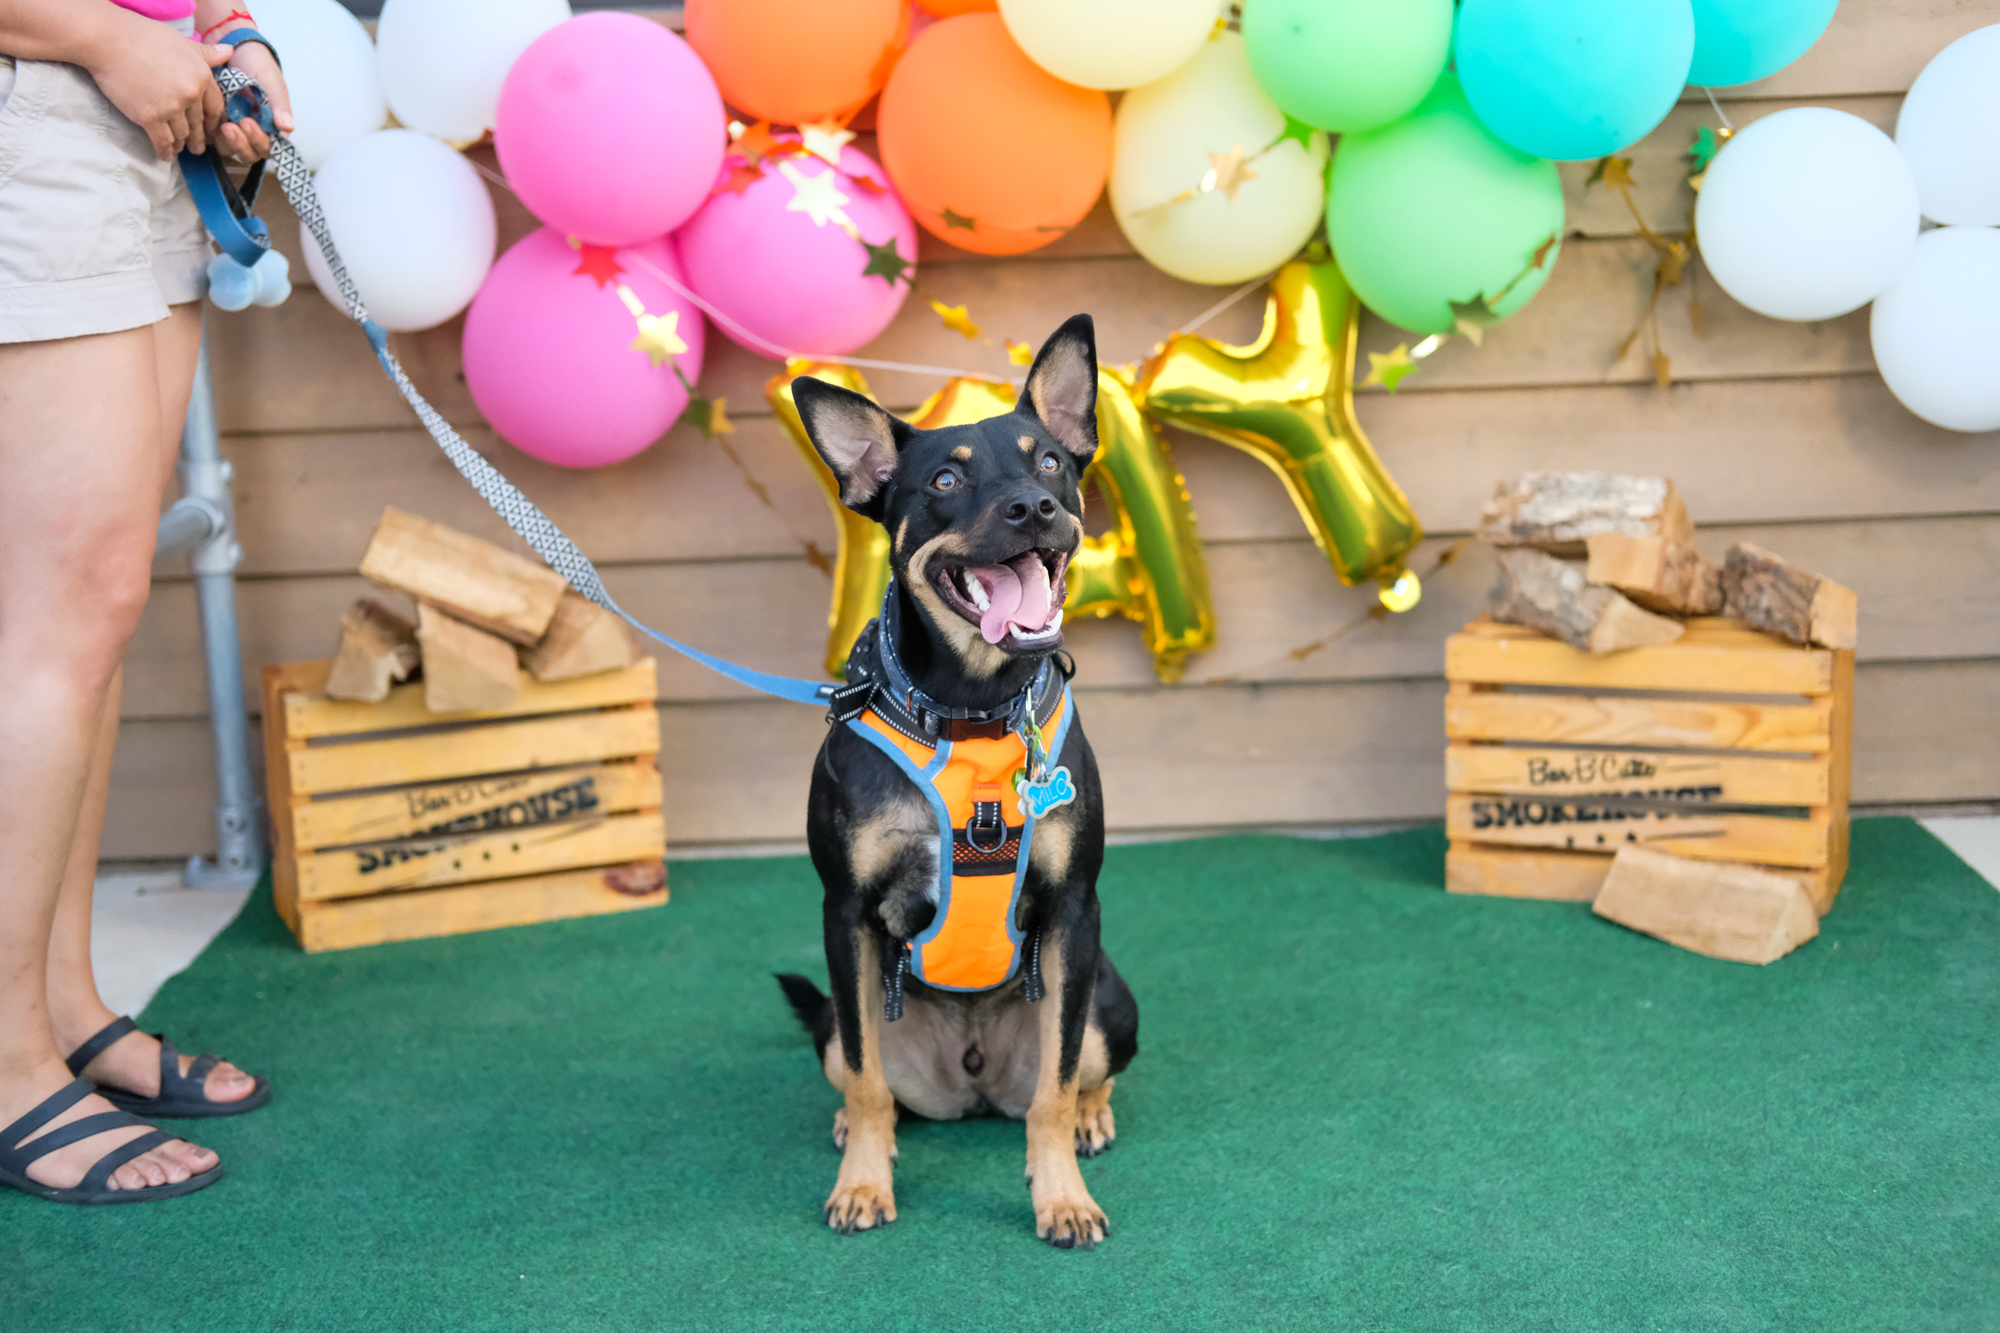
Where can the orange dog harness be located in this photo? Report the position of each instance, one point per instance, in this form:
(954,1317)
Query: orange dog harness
(986,811)
(987,789)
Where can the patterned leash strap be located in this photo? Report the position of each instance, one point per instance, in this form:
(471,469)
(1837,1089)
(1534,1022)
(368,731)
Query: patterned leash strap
(520,513)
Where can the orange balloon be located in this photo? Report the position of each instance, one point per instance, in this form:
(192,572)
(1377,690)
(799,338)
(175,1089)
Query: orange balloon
(945,9)
(988,150)
(798,61)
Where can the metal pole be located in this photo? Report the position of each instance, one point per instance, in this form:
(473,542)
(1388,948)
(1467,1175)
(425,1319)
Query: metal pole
(203,523)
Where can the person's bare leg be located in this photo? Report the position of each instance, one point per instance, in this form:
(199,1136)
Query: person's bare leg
(132,1063)
(80,426)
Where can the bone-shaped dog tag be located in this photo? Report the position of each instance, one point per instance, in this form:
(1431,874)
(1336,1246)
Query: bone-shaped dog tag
(1051,792)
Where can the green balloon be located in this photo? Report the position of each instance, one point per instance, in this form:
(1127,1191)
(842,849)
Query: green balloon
(1432,209)
(1347,64)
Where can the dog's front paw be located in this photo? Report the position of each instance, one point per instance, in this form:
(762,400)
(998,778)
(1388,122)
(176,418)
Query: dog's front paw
(1095,1129)
(1069,1222)
(860,1206)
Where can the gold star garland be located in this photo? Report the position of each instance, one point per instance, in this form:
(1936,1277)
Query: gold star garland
(818,197)
(1379,609)
(1675,255)
(1470,320)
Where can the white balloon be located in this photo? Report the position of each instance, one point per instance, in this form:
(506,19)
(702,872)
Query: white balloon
(1949,129)
(329,71)
(1109,43)
(413,224)
(442,61)
(1167,139)
(1936,341)
(1807,214)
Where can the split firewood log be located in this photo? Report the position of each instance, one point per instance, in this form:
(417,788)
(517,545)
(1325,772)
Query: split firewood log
(474,580)
(1659,573)
(1558,512)
(465,667)
(1775,595)
(377,648)
(1725,909)
(582,638)
(1551,595)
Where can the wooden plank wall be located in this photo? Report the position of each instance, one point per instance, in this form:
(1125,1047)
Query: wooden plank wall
(1780,433)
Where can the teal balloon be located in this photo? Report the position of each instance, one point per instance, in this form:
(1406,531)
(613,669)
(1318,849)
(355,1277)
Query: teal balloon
(1738,41)
(1347,64)
(1573,79)
(1433,208)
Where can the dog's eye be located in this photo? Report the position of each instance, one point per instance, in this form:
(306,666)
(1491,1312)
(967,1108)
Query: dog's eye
(945,480)
(1050,463)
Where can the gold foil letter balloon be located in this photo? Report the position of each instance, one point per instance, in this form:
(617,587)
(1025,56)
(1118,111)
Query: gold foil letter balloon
(861,569)
(1288,400)
(1149,567)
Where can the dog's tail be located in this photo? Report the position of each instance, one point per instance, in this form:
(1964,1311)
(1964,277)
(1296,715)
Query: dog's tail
(815,1010)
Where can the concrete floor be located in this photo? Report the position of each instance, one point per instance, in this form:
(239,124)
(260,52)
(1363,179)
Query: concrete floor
(146,926)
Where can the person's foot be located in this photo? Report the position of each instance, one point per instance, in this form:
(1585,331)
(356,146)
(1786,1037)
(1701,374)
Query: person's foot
(169,1163)
(132,1064)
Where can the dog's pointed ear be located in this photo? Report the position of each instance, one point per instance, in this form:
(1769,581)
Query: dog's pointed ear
(858,440)
(1062,387)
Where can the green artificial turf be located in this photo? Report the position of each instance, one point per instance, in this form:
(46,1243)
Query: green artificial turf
(1360,1103)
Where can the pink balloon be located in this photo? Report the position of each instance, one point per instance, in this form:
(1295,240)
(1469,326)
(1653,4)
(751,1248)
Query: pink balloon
(610,128)
(788,280)
(549,356)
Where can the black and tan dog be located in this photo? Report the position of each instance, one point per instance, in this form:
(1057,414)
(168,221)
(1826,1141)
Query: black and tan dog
(956,821)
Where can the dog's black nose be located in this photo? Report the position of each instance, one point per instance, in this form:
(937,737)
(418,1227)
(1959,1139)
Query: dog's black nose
(1031,508)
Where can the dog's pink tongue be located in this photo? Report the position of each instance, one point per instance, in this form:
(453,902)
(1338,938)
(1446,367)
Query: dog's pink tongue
(1017,595)
(1003,599)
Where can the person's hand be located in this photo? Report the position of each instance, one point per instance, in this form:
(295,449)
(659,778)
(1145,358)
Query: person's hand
(245,140)
(161,81)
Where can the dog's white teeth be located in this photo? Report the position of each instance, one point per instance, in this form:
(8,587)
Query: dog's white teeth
(1056,624)
(976,591)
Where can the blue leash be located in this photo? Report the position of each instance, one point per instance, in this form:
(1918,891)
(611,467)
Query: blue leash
(241,233)
(233,229)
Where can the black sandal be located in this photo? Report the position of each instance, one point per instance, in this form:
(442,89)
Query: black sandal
(181,1096)
(96,1186)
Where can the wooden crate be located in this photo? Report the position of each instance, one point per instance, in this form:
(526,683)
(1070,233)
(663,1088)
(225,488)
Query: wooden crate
(1728,744)
(395,823)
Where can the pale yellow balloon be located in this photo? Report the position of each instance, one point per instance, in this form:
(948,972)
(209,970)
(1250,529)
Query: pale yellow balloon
(1109,43)
(1201,180)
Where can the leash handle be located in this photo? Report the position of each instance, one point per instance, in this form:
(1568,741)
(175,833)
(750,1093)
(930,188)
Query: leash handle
(225,210)
(534,527)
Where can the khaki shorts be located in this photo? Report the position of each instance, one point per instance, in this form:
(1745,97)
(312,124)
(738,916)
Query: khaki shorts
(96,233)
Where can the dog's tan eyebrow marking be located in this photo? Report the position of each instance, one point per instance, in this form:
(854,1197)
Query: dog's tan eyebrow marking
(902,531)
(963,453)
(1027,443)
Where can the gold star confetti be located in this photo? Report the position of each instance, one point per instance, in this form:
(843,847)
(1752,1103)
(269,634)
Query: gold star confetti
(710,416)
(659,337)
(757,143)
(1388,368)
(1473,318)
(1673,261)
(818,197)
(1614,172)
(960,221)
(1227,172)
(1020,354)
(956,319)
(824,139)
(1663,369)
